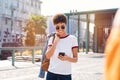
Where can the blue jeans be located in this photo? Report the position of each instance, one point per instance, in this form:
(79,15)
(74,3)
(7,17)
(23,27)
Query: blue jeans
(52,76)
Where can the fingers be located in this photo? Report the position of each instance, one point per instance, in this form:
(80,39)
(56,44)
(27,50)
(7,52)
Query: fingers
(63,58)
(56,37)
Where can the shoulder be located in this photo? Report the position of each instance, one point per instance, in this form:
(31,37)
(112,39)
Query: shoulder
(72,37)
(51,38)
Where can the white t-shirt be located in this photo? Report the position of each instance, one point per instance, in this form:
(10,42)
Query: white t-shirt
(65,44)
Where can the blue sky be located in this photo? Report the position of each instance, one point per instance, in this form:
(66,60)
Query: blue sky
(51,7)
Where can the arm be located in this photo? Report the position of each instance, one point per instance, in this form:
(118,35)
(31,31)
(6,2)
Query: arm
(75,56)
(51,49)
(73,59)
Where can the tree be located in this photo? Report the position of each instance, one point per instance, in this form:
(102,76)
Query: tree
(34,25)
(40,22)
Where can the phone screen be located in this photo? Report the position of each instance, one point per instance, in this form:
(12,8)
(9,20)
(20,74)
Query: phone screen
(61,53)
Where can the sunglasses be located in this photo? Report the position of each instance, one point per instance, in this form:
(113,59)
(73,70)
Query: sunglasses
(62,27)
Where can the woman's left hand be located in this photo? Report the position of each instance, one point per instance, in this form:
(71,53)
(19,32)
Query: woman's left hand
(63,58)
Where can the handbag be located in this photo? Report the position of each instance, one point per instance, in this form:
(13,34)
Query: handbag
(45,64)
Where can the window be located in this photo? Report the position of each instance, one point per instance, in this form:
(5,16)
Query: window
(39,5)
(23,6)
(18,3)
(0,3)
(6,5)
(6,21)
(35,4)
(20,23)
(0,33)
(31,2)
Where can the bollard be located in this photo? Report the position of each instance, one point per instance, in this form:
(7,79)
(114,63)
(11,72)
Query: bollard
(13,57)
(33,61)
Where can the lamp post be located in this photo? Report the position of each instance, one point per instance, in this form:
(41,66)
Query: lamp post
(12,15)
(13,8)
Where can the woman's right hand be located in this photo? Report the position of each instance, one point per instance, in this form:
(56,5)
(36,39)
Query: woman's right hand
(50,49)
(57,38)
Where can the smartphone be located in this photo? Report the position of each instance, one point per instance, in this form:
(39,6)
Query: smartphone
(61,53)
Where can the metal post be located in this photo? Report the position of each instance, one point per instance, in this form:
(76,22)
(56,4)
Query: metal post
(13,57)
(12,13)
(87,35)
(68,24)
(78,33)
(13,8)
(0,54)
(33,58)
(95,39)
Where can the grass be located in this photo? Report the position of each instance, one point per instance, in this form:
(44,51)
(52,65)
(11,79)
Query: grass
(27,53)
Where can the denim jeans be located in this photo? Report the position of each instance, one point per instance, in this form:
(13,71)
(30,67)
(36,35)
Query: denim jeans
(52,76)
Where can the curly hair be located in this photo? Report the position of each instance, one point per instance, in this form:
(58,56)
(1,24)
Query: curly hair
(59,18)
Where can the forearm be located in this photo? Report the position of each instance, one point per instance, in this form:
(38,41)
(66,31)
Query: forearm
(75,56)
(50,51)
(74,59)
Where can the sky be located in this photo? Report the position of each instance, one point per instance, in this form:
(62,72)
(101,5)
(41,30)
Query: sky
(51,7)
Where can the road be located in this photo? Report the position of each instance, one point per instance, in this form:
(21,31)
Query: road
(89,67)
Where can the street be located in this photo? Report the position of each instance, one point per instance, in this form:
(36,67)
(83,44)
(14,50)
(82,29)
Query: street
(89,67)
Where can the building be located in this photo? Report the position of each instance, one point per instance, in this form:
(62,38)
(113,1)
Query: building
(13,15)
(92,27)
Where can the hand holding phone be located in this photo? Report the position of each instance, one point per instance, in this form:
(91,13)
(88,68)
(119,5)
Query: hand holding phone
(61,53)
(62,56)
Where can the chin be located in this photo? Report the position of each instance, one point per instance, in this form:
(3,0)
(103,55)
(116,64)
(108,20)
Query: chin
(62,33)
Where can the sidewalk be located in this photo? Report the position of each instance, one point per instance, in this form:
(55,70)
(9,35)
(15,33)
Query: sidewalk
(89,67)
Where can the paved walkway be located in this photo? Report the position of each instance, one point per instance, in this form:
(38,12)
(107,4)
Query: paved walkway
(89,67)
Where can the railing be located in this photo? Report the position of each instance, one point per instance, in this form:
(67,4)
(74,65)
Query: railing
(20,48)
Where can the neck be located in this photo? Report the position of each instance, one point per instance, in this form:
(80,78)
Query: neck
(63,35)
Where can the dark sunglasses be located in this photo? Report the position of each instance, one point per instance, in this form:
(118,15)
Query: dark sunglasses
(62,27)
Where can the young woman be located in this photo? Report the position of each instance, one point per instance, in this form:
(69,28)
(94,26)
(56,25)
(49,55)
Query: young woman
(62,51)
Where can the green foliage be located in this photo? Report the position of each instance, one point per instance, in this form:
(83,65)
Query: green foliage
(34,25)
(40,22)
